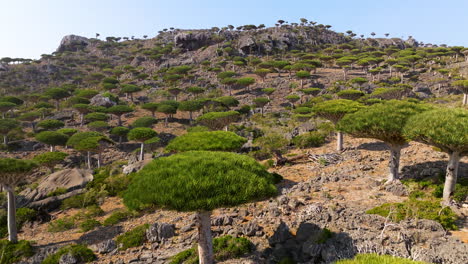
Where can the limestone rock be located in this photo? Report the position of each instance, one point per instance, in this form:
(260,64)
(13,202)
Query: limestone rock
(100,100)
(72,43)
(69,179)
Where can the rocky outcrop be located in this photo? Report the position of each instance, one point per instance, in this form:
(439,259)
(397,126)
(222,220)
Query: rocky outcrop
(73,43)
(69,179)
(194,39)
(100,100)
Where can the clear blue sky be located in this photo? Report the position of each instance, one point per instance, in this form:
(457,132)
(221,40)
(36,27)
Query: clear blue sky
(29,28)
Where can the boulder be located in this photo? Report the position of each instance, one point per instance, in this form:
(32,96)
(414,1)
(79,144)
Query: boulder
(193,40)
(69,179)
(72,43)
(105,247)
(68,259)
(157,232)
(100,100)
(135,166)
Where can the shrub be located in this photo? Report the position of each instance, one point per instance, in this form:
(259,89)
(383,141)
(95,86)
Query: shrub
(133,238)
(377,259)
(213,140)
(412,208)
(224,248)
(61,225)
(57,192)
(218,120)
(14,252)
(50,124)
(117,217)
(309,140)
(89,224)
(92,197)
(146,121)
(198,129)
(79,252)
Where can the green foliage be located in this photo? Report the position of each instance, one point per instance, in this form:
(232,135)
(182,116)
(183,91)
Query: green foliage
(224,248)
(57,192)
(350,94)
(119,131)
(61,225)
(6,106)
(56,93)
(309,140)
(377,259)
(213,141)
(77,138)
(190,106)
(51,124)
(130,88)
(90,198)
(79,252)
(133,238)
(245,81)
(117,217)
(50,159)
(303,74)
(141,134)
(96,116)
(261,101)
(223,179)
(7,124)
(14,252)
(444,128)
(218,120)
(88,225)
(119,109)
(12,99)
(52,138)
(413,208)
(388,93)
(167,109)
(198,129)
(383,121)
(10,166)
(271,143)
(68,131)
(146,121)
(98,126)
(228,101)
(335,110)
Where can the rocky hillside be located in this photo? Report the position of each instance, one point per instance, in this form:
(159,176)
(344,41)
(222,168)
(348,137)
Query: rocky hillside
(94,113)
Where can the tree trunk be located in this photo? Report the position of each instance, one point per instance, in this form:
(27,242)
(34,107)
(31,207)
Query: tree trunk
(142,150)
(119,119)
(394,164)
(51,148)
(465,99)
(451,176)
(12,230)
(339,141)
(205,240)
(190,116)
(302,84)
(57,104)
(81,119)
(89,160)
(5,139)
(3,115)
(99,160)
(165,121)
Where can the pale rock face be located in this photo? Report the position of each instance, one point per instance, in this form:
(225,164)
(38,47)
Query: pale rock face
(72,43)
